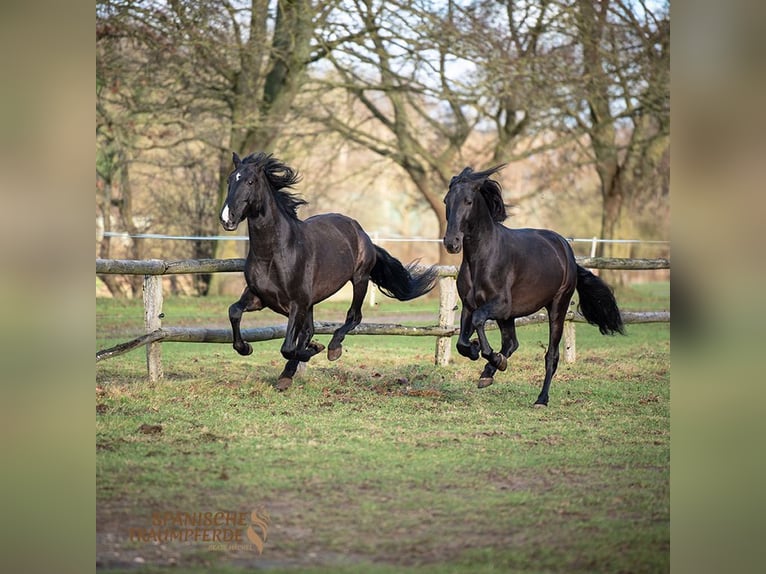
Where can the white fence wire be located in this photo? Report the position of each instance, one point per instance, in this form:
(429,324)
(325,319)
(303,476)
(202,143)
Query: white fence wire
(375,235)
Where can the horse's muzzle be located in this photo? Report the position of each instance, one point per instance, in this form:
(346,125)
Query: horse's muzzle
(453,244)
(228,225)
(227,221)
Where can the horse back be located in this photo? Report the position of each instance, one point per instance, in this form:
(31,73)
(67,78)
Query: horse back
(541,253)
(337,234)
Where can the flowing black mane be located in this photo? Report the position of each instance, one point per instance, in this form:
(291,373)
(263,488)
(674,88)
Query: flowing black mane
(279,176)
(490,189)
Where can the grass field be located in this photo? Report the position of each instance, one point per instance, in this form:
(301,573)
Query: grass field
(382,462)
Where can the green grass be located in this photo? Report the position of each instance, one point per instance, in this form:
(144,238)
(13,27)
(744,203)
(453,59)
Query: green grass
(382,462)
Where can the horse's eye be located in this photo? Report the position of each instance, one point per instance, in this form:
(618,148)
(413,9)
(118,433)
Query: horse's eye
(468,201)
(249,182)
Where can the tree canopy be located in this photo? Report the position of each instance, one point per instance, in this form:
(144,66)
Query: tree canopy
(427,87)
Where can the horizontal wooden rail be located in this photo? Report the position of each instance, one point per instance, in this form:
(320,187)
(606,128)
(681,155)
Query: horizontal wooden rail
(163,267)
(205,335)
(625,264)
(153,269)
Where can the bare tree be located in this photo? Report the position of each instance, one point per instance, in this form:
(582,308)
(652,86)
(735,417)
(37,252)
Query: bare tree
(121,102)
(509,42)
(220,73)
(549,73)
(403,101)
(622,101)
(422,85)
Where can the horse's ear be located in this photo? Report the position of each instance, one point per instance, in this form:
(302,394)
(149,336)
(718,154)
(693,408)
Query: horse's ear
(236,160)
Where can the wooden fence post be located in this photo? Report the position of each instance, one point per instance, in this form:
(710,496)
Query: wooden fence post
(447,304)
(371,289)
(152,322)
(570,342)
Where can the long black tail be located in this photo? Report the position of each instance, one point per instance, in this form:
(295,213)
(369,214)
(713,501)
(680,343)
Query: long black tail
(597,303)
(400,282)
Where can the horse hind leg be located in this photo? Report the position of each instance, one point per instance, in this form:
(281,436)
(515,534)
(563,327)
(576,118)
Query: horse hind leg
(556,317)
(353,318)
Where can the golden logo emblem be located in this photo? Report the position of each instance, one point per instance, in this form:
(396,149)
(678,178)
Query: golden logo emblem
(258,529)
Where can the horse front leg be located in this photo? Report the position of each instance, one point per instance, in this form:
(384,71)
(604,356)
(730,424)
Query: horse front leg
(508,346)
(496,361)
(297,347)
(480,317)
(353,318)
(465,346)
(249,301)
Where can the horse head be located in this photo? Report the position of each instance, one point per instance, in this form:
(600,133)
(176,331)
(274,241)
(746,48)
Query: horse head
(256,180)
(242,197)
(465,189)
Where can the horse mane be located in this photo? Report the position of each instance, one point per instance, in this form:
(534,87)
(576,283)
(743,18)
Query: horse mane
(490,189)
(279,176)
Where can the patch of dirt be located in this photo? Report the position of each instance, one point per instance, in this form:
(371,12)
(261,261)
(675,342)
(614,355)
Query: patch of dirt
(401,387)
(292,540)
(320,526)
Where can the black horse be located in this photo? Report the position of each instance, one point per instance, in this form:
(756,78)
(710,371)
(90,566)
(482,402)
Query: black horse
(293,264)
(508,273)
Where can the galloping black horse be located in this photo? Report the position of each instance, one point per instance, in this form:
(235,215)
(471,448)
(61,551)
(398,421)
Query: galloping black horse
(508,273)
(294,264)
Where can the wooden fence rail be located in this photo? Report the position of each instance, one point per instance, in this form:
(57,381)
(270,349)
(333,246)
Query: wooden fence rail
(154,269)
(162,267)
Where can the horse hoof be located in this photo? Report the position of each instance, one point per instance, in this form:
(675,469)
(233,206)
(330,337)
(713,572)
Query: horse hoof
(283,384)
(316,347)
(244,349)
(540,405)
(485,382)
(333,354)
(502,362)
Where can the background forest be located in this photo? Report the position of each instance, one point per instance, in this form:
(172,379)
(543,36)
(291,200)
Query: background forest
(378,104)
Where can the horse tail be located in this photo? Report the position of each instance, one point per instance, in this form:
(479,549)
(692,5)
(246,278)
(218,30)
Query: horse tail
(597,303)
(400,282)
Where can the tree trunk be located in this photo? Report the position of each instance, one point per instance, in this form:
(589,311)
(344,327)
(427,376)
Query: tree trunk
(114,283)
(260,107)
(612,198)
(136,249)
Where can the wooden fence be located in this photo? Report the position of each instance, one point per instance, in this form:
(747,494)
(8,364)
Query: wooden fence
(444,330)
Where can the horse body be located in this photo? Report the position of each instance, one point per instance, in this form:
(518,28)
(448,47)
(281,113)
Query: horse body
(294,264)
(510,273)
(501,272)
(273,271)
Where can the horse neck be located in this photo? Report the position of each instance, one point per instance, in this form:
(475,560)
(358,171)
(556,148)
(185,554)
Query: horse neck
(271,230)
(481,227)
